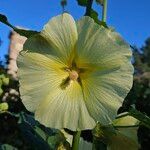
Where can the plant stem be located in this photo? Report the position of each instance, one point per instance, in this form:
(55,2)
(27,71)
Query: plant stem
(88,7)
(104,11)
(76,140)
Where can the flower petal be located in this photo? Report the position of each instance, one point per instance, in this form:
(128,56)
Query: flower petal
(57,39)
(61,34)
(102,103)
(42,72)
(98,46)
(65,109)
(38,75)
(105,90)
(107,78)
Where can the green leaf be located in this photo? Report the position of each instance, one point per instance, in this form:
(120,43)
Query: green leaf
(51,138)
(85,2)
(29,135)
(145,120)
(22,32)
(26,33)
(82,2)
(94,15)
(3,106)
(7,147)
(1,91)
(5,81)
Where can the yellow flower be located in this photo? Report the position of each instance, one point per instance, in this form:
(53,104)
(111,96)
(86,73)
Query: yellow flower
(74,74)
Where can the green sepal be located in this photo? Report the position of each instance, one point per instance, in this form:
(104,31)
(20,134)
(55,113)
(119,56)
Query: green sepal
(103,132)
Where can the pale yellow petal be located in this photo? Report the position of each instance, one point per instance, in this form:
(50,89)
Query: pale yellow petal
(65,109)
(38,75)
(61,34)
(98,45)
(108,72)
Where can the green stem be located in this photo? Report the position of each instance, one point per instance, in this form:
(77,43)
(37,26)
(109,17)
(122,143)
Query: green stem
(88,8)
(76,140)
(104,11)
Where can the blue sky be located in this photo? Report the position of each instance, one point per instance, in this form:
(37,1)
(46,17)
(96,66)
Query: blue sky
(131,18)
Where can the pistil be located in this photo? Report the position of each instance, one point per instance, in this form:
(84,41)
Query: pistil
(73,75)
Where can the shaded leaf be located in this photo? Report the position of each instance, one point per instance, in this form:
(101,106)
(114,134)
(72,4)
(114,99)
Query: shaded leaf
(7,147)
(145,120)
(32,137)
(82,2)
(26,33)
(94,15)
(1,91)
(3,106)
(52,137)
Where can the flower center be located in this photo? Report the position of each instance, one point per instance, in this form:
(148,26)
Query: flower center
(73,75)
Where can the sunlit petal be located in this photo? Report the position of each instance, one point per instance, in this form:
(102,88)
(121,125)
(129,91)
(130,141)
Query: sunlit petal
(65,109)
(38,75)
(61,34)
(107,77)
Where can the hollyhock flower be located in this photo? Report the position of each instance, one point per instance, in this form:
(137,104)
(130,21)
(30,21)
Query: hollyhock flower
(73,74)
